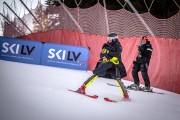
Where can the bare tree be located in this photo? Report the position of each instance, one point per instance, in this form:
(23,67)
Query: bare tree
(43,18)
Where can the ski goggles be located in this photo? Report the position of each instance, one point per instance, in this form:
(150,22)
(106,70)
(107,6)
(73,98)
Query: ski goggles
(112,38)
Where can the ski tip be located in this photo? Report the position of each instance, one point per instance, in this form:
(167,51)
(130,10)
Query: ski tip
(70,90)
(109,100)
(127,99)
(94,96)
(124,99)
(91,96)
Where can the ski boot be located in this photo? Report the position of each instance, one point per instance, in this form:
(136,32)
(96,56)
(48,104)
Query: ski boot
(146,88)
(133,87)
(82,89)
(126,97)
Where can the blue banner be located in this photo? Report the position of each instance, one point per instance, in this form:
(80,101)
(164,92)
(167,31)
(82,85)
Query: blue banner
(18,50)
(65,56)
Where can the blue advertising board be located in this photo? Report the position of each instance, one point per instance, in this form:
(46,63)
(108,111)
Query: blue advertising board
(25,51)
(65,56)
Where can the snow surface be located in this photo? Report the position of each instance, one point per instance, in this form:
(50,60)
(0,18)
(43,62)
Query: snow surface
(35,92)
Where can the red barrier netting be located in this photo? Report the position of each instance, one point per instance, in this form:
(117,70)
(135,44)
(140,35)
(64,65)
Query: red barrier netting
(164,68)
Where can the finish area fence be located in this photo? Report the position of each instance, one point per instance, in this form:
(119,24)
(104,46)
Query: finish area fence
(164,68)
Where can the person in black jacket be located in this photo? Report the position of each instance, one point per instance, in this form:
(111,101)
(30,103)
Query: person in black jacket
(110,65)
(141,64)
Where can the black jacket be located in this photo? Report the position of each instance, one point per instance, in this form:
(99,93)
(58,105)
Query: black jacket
(144,53)
(114,49)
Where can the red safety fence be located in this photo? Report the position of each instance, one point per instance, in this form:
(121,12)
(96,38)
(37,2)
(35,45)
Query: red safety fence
(164,69)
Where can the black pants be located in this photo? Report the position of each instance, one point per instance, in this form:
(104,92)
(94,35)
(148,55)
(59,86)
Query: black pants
(101,71)
(144,71)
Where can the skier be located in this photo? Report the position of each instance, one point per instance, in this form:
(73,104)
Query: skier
(110,65)
(141,64)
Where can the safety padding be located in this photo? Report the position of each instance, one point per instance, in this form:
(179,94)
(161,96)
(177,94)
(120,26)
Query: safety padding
(65,56)
(18,50)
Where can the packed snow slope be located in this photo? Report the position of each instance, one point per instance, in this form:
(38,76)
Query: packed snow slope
(35,92)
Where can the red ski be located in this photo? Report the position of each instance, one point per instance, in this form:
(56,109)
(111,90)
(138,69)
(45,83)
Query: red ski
(91,96)
(110,100)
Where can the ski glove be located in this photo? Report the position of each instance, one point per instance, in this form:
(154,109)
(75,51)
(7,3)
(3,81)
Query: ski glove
(114,60)
(105,60)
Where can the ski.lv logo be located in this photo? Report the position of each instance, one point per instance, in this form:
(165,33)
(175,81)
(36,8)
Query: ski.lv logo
(64,55)
(17,49)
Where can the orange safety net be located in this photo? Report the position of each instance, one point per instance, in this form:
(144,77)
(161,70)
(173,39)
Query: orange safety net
(164,68)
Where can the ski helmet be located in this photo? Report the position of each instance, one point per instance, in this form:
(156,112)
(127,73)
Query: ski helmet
(112,36)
